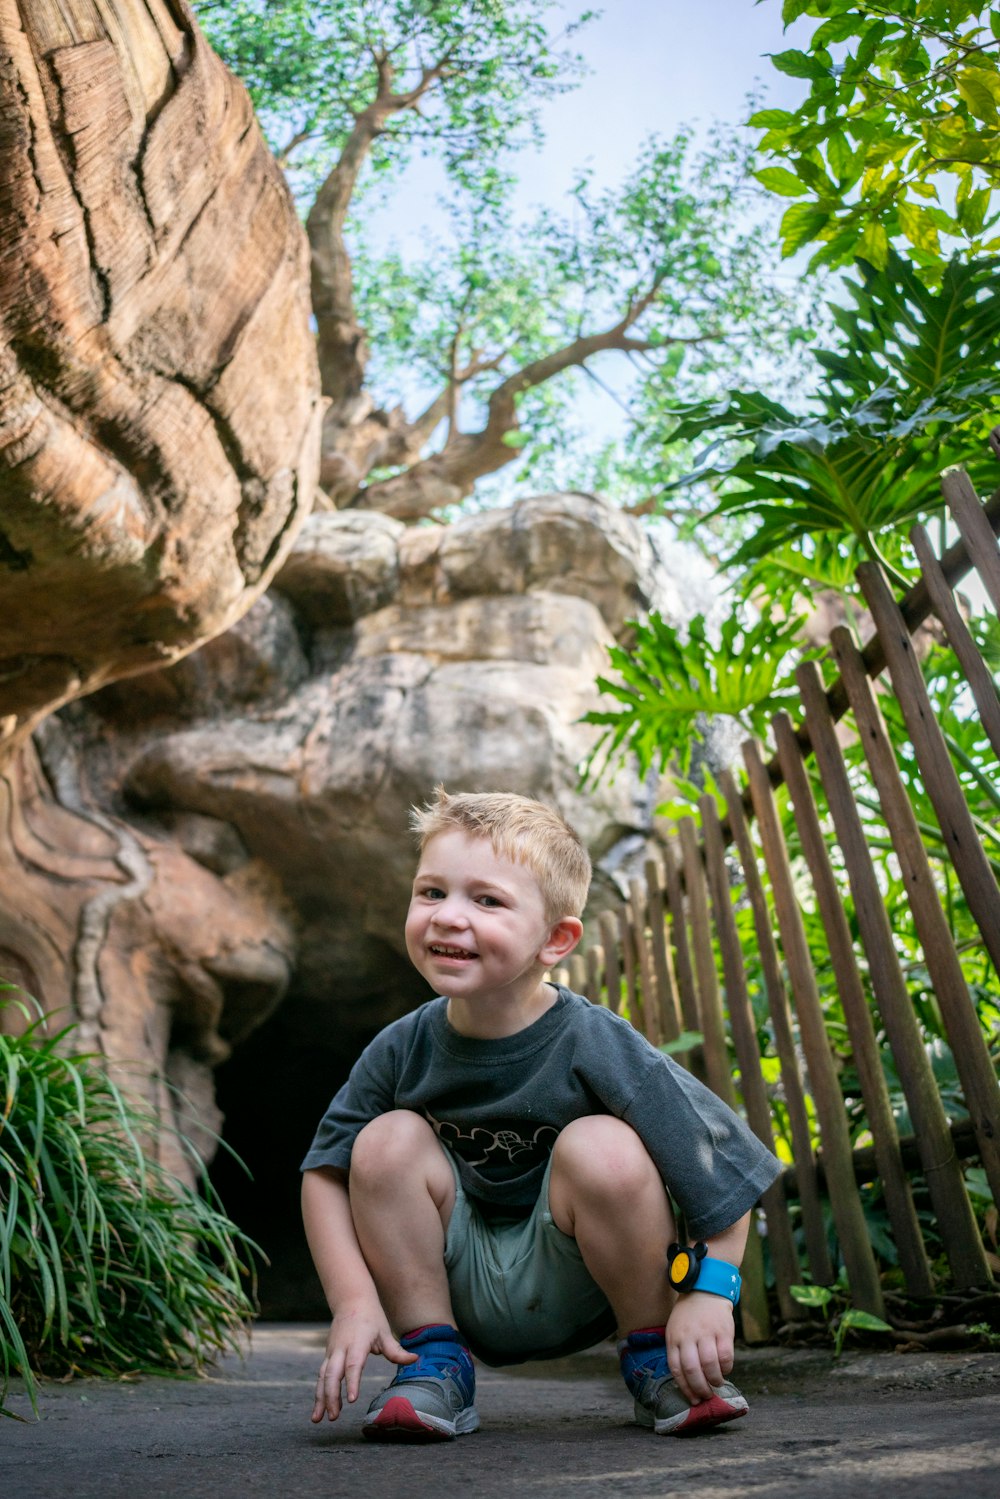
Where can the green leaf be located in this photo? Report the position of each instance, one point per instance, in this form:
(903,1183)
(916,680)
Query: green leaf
(812,1295)
(978,91)
(792,9)
(684,1042)
(854,1317)
(666,685)
(798,64)
(845,162)
(874,245)
(918,100)
(918,227)
(780,180)
(800,223)
(913,385)
(771,119)
(871,39)
(516,440)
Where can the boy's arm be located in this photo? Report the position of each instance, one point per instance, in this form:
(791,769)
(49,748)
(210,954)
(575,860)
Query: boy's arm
(359,1324)
(699,1329)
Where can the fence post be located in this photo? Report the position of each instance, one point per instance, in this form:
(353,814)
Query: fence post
(866,1292)
(625,933)
(710,1006)
(878,1109)
(817,1249)
(956,1222)
(666,988)
(977,533)
(943,786)
(637,904)
(612,972)
(690,1012)
(972,1058)
(977,673)
(779,1232)
(594,958)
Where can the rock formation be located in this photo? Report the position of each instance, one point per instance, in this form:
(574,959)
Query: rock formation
(159,392)
(279,762)
(383,660)
(203,850)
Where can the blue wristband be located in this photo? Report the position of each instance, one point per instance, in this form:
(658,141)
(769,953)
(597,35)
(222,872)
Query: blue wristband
(693,1270)
(719,1278)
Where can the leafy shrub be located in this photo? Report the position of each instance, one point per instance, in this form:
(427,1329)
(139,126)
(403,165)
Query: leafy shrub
(108,1264)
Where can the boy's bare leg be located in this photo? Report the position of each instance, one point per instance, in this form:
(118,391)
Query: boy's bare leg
(606,1193)
(402,1194)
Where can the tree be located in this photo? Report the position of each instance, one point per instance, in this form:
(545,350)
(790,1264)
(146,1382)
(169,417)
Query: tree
(898,139)
(159,426)
(158,397)
(796,501)
(911,388)
(488,325)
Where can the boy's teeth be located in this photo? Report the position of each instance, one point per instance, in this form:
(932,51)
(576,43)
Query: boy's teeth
(451,952)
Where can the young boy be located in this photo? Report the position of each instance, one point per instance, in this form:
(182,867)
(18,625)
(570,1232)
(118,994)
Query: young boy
(494,1175)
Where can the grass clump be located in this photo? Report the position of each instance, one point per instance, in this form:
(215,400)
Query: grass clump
(109,1265)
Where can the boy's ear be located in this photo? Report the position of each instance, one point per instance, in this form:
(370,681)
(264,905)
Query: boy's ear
(561,940)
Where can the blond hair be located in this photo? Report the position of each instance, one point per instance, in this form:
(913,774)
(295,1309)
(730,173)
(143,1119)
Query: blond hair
(521,830)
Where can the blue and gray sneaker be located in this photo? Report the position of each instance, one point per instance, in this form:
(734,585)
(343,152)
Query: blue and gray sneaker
(431,1400)
(658,1401)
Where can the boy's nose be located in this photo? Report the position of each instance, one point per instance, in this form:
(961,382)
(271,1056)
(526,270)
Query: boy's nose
(450,913)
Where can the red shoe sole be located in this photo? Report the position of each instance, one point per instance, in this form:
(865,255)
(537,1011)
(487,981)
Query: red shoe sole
(397,1421)
(711,1412)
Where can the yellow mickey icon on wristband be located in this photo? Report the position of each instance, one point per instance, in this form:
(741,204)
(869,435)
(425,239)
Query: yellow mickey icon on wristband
(683,1265)
(689,1269)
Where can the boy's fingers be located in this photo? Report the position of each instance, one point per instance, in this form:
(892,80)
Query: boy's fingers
(328,1390)
(711,1364)
(395,1352)
(689,1376)
(353,1369)
(319,1400)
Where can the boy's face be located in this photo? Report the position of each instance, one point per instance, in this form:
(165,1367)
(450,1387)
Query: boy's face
(476,926)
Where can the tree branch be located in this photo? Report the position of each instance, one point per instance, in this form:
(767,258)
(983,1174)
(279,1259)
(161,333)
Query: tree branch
(343,355)
(296,140)
(448,476)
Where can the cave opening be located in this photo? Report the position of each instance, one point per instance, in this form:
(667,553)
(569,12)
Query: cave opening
(272,1092)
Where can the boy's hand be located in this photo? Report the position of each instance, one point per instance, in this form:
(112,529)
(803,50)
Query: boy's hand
(356,1332)
(699,1335)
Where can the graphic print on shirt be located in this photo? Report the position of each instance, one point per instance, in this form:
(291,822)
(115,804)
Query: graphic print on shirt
(504,1144)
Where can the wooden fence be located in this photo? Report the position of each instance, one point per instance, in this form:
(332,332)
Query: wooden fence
(674,954)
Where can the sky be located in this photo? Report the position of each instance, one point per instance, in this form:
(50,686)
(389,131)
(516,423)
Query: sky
(658,64)
(654,65)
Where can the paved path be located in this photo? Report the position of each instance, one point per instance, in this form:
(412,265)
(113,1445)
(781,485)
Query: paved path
(882,1426)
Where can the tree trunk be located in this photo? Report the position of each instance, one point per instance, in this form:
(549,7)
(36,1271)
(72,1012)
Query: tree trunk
(159,396)
(163,965)
(159,447)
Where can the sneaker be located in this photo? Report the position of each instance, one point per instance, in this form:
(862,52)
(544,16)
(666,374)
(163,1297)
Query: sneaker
(658,1401)
(431,1400)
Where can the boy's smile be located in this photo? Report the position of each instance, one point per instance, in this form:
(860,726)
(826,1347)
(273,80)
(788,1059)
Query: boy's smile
(477,930)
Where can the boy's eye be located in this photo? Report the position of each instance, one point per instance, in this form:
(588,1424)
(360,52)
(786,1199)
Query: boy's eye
(489,900)
(431,892)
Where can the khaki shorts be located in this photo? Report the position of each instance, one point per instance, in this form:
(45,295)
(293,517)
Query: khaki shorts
(520,1290)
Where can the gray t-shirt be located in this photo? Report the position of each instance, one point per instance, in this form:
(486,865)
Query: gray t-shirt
(498,1106)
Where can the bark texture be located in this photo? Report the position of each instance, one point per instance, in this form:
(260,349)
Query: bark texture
(164,963)
(159,394)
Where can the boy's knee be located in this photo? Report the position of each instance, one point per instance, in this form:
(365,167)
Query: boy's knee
(391,1143)
(604,1153)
